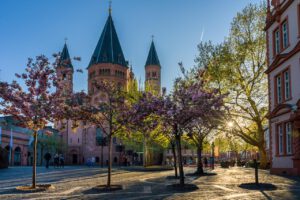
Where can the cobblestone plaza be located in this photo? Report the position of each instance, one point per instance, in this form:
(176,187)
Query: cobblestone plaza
(77,183)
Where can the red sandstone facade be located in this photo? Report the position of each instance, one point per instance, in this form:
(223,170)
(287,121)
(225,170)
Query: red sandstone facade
(283,58)
(107,64)
(19,151)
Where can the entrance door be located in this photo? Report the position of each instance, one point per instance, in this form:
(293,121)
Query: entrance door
(74,159)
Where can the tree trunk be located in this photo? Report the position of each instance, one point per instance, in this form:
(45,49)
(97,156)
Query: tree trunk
(145,156)
(109,161)
(199,161)
(34,160)
(262,157)
(181,172)
(101,156)
(175,159)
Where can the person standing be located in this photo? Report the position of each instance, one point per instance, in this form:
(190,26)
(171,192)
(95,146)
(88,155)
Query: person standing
(47,157)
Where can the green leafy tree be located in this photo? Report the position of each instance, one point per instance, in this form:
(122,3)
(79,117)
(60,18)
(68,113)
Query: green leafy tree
(50,142)
(237,67)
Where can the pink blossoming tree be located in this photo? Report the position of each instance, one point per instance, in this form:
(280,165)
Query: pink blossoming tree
(35,106)
(188,102)
(107,113)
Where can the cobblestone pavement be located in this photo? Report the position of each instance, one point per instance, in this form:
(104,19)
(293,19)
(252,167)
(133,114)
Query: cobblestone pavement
(77,183)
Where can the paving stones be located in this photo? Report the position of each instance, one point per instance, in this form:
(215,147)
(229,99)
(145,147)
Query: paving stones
(77,183)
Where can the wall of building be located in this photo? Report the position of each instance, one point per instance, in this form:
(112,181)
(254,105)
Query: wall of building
(291,13)
(20,140)
(287,59)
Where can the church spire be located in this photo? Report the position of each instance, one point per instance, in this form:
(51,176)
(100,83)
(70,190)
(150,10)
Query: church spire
(65,60)
(108,49)
(152,58)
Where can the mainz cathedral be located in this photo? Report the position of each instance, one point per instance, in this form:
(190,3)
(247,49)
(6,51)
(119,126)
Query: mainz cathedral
(107,63)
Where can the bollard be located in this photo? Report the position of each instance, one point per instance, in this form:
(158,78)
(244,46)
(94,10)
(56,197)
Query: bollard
(256,171)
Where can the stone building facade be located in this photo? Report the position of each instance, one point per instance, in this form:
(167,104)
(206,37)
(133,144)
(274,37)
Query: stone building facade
(107,63)
(17,142)
(283,58)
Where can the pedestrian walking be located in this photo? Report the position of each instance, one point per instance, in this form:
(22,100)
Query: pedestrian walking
(61,161)
(47,157)
(56,161)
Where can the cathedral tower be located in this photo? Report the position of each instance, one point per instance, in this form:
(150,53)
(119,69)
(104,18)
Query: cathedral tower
(153,71)
(107,62)
(65,72)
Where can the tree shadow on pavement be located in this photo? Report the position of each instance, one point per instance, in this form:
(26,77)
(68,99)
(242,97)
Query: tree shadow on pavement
(204,174)
(152,188)
(260,186)
(13,191)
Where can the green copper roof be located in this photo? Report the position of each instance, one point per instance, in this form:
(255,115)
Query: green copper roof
(65,60)
(108,49)
(152,56)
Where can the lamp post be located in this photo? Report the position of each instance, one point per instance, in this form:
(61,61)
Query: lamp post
(213,155)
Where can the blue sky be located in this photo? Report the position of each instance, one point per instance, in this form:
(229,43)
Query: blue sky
(33,27)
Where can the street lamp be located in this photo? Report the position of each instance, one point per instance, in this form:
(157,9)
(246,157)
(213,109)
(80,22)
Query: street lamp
(213,155)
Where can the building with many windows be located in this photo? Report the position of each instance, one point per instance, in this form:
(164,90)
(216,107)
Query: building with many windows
(283,58)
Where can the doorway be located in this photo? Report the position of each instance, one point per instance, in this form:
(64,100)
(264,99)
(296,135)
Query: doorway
(74,159)
(17,156)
